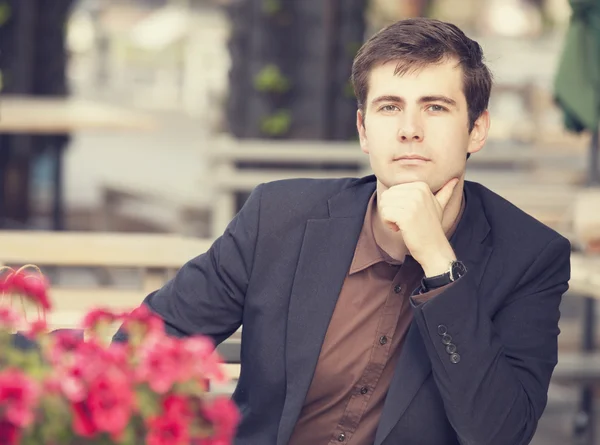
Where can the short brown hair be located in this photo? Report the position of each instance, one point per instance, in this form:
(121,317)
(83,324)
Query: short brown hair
(418,42)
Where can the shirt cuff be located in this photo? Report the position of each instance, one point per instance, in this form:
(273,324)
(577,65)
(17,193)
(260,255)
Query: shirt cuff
(419,297)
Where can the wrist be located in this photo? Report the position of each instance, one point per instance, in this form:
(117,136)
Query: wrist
(438,264)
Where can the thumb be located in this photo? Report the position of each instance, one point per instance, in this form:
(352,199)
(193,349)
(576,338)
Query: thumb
(445,193)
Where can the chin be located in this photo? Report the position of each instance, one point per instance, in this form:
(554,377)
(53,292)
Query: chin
(407,178)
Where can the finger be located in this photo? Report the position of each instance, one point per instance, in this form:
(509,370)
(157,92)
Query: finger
(392,226)
(445,193)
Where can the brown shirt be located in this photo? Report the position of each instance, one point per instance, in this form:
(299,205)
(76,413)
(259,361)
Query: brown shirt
(361,347)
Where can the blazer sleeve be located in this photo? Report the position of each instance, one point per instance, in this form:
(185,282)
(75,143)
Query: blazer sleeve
(207,294)
(494,378)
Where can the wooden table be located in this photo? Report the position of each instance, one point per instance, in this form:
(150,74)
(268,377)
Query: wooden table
(57,115)
(40,115)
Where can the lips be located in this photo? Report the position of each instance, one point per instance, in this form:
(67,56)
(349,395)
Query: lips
(411,158)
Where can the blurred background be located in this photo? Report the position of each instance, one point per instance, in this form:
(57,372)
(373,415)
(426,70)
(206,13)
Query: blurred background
(125,117)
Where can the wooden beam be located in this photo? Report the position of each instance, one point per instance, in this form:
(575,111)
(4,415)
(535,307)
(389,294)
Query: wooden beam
(86,249)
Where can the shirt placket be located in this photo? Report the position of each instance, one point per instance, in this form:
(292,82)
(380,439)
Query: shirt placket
(380,353)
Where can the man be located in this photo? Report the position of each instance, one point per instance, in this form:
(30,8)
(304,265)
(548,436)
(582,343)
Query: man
(409,307)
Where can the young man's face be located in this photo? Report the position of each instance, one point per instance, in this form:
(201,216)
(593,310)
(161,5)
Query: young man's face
(421,115)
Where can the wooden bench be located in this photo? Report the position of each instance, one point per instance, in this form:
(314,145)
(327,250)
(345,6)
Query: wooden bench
(239,166)
(156,257)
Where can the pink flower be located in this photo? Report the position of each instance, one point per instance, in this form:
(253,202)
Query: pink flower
(159,364)
(36,328)
(167,430)
(223,415)
(205,360)
(34,287)
(9,433)
(19,395)
(97,316)
(63,342)
(111,403)
(9,318)
(144,317)
(72,383)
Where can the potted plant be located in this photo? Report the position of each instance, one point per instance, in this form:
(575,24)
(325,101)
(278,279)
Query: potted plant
(61,388)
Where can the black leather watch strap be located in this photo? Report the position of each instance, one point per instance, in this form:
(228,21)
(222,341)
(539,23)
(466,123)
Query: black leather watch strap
(456,270)
(436,282)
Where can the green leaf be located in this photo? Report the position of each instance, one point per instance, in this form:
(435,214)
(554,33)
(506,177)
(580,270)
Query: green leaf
(271,80)
(271,7)
(5,13)
(277,124)
(148,402)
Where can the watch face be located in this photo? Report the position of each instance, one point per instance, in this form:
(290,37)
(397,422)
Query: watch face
(458,270)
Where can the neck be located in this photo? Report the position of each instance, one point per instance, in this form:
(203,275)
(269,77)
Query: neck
(392,242)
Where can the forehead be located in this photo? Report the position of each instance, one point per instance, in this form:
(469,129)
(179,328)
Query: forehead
(445,78)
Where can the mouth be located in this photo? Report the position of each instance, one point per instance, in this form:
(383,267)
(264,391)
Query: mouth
(412,158)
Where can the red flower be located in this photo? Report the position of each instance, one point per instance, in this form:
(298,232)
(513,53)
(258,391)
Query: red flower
(159,364)
(177,406)
(9,433)
(107,406)
(223,415)
(111,402)
(167,430)
(18,397)
(83,425)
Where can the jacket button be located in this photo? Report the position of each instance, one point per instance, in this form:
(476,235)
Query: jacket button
(451,348)
(455,358)
(442,330)
(447,339)
(341,437)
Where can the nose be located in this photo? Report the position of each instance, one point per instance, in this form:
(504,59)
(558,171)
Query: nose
(410,130)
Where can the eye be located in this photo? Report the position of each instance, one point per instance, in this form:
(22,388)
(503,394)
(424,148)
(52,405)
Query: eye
(389,108)
(436,108)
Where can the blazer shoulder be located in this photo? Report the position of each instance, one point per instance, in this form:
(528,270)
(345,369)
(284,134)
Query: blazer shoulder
(513,225)
(308,186)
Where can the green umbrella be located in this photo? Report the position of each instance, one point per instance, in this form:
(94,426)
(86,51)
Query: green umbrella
(577,82)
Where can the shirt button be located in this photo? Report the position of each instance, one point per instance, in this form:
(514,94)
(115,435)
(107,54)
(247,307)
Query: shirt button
(455,358)
(383,340)
(341,437)
(364,390)
(397,288)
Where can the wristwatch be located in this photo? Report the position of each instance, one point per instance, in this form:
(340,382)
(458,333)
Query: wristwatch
(456,270)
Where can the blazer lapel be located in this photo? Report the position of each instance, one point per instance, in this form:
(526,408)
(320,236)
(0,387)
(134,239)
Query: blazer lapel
(325,257)
(414,365)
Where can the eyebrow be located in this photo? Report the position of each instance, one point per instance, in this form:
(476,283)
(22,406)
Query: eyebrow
(434,98)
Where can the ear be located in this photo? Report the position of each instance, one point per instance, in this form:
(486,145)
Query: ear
(479,133)
(362,132)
